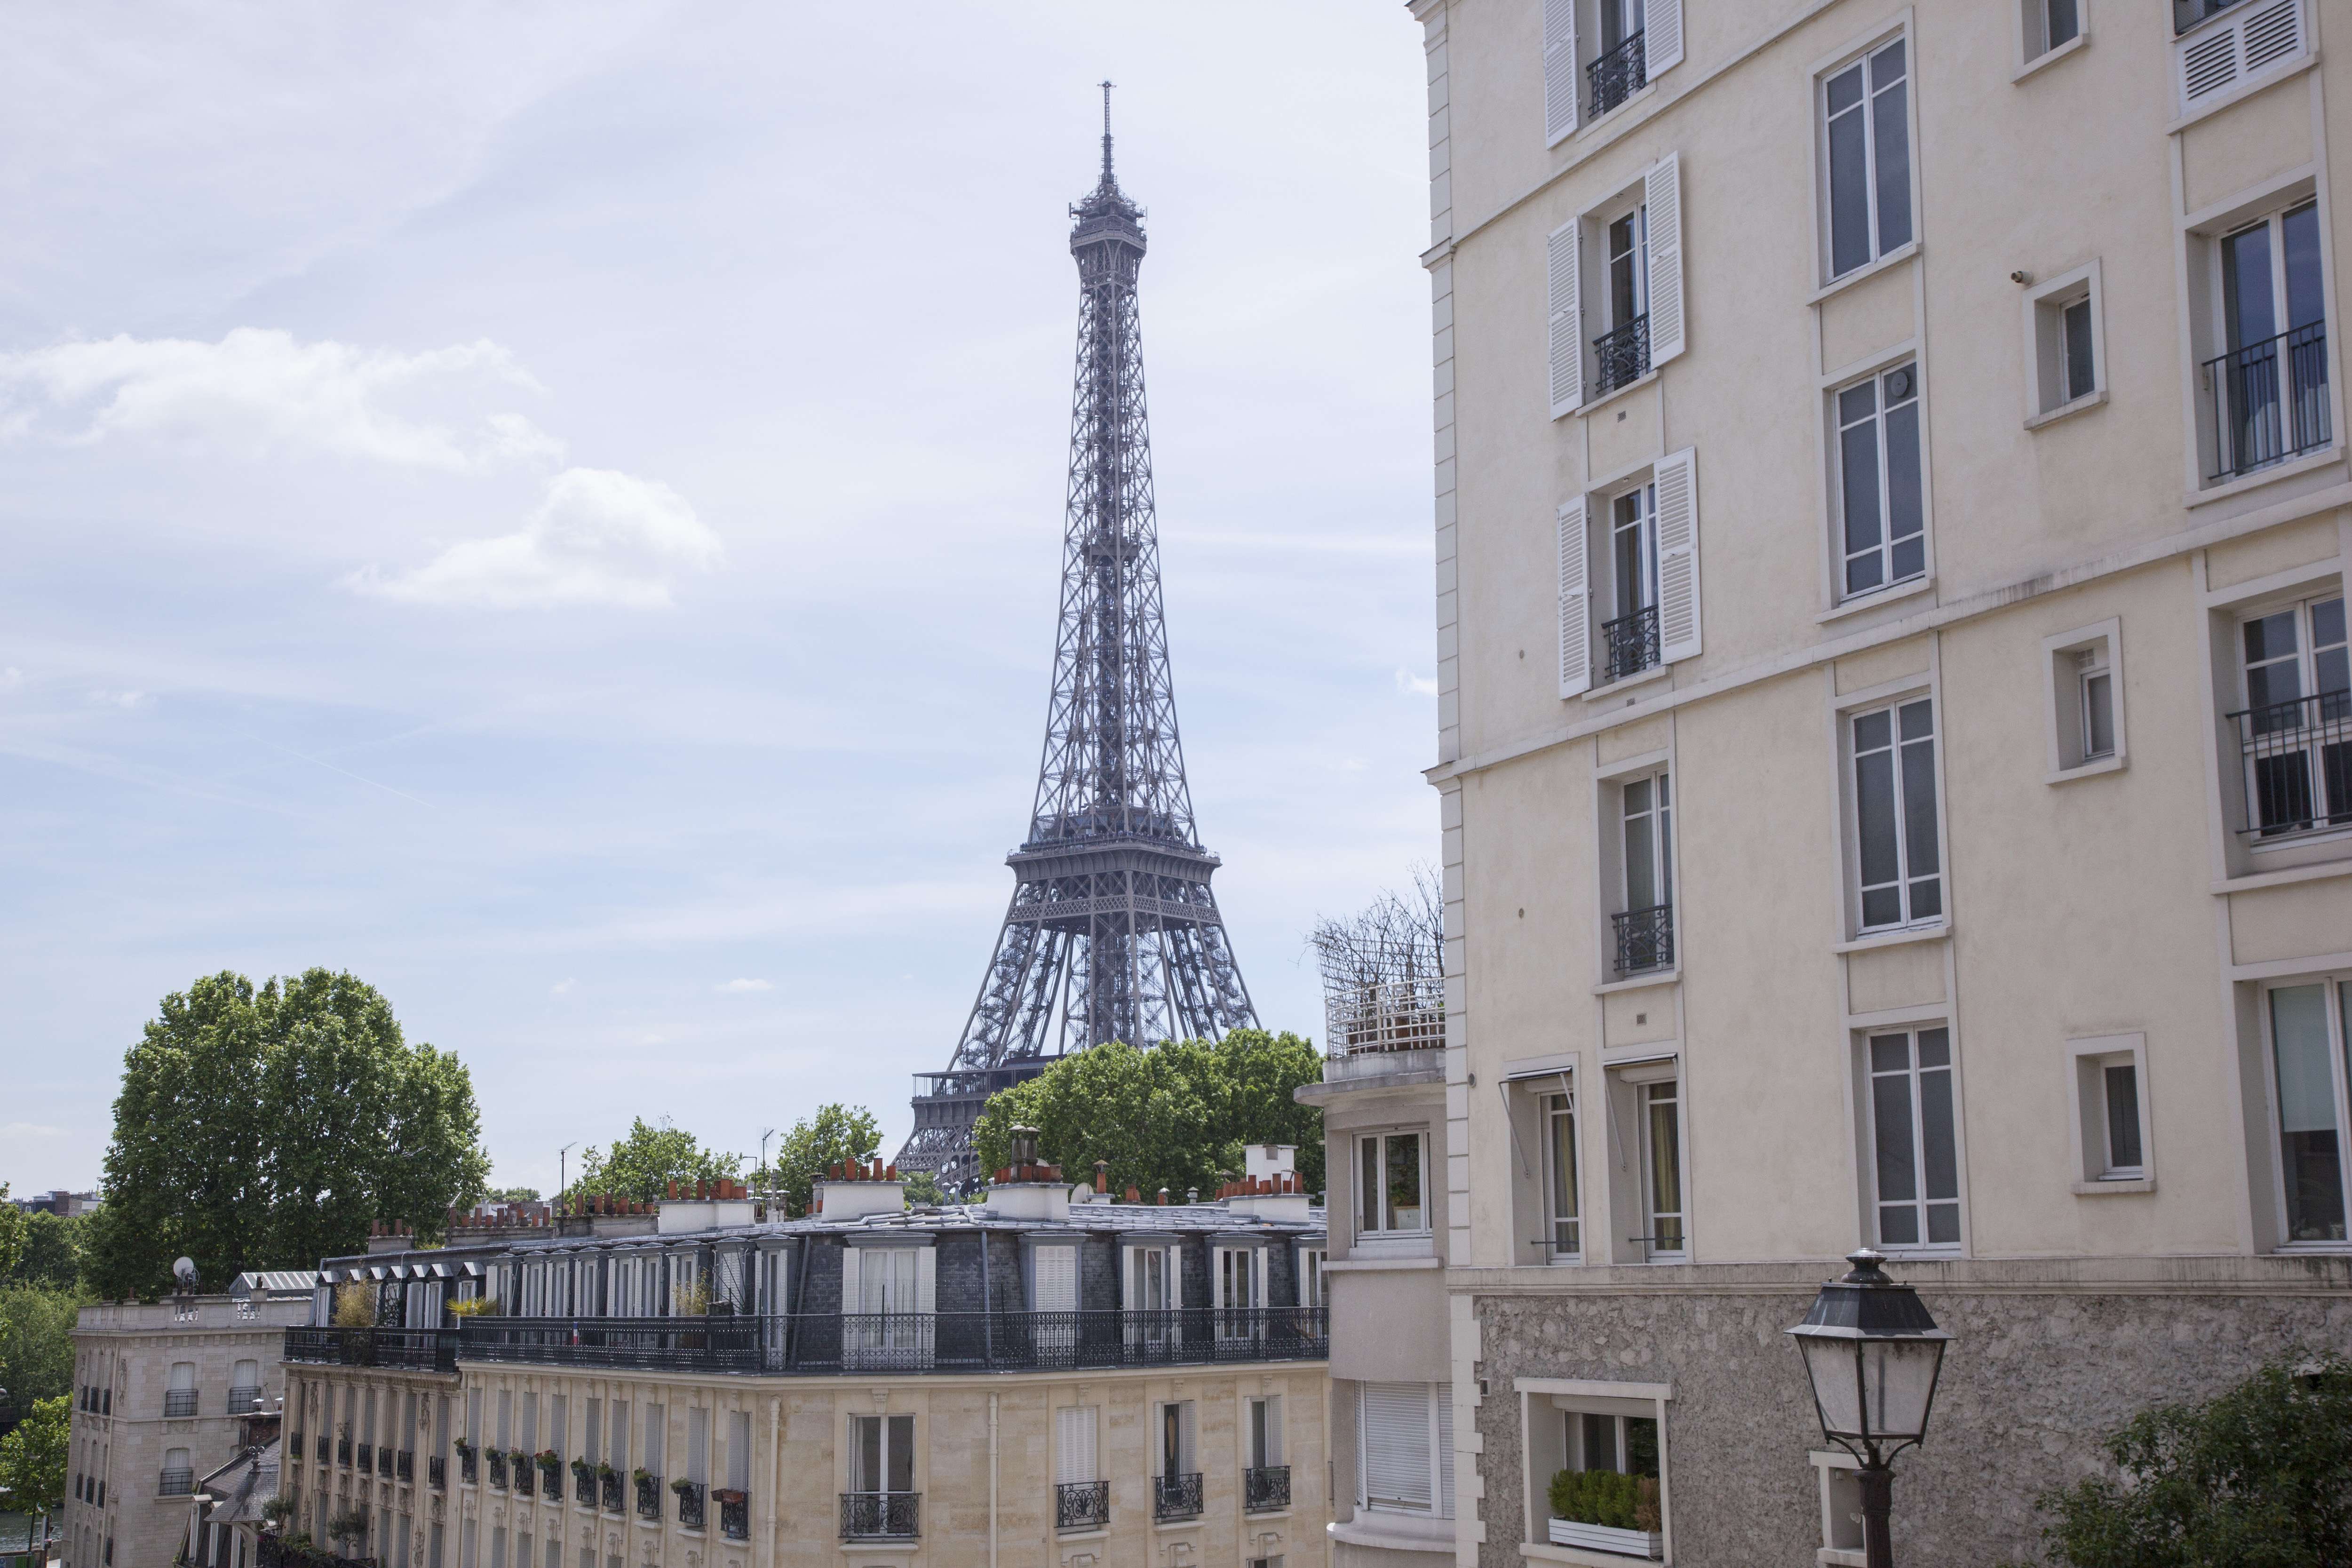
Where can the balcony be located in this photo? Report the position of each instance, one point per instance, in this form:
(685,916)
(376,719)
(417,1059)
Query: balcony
(1621,355)
(1082,1505)
(244,1400)
(2298,765)
(396,1350)
(734,1515)
(469,1466)
(1617,75)
(180,1402)
(175,1483)
(834,1345)
(1630,644)
(1266,1489)
(437,1472)
(608,1488)
(344,1452)
(689,1503)
(2269,401)
(323,1452)
(1175,1496)
(649,1495)
(520,1466)
(495,1461)
(881,1516)
(1646,939)
(404,1469)
(584,1483)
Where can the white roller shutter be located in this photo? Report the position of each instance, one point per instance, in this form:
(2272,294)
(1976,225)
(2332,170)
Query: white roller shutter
(1562,261)
(1677,524)
(1662,43)
(1395,1446)
(1575,622)
(1662,195)
(1558,69)
(1074,1445)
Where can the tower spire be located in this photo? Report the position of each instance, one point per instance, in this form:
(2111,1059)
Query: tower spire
(1112,933)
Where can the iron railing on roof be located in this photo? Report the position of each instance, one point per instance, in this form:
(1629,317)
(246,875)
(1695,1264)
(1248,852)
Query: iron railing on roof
(398,1350)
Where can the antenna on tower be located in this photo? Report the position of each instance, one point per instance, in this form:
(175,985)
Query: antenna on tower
(1107,86)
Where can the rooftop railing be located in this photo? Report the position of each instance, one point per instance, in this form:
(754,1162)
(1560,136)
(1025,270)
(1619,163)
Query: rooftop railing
(831,1344)
(398,1350)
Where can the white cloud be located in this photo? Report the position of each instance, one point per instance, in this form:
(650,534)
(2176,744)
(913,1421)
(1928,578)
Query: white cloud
(562,987)
(1414,685)
(599,537)
(11,678)
(748,985)
(124,699)
(259,392)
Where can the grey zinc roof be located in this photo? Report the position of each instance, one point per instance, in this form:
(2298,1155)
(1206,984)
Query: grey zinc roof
(243,1485)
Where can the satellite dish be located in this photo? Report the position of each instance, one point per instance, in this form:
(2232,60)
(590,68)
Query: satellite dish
(184,1271)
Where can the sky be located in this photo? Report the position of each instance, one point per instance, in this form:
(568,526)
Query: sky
(555,510)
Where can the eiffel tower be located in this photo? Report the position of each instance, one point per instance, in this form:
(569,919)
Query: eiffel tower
(1112,933)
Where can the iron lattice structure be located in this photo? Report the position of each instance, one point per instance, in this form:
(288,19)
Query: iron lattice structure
(1112,933)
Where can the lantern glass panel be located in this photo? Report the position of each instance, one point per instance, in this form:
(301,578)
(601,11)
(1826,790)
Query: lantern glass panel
(1829,1362)
(1898,1379)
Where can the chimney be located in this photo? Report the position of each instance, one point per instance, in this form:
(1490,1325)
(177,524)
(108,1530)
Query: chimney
(1133,1197)
(1102,1175)
(1164,1195)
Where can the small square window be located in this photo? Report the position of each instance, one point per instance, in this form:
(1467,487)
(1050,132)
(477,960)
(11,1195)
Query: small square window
(2083,680)
(2111,1111)
(2064,344)
(2049,25)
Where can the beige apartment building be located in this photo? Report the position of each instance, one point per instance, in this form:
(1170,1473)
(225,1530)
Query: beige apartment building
(1895,736)
(162,1391)
(1046,1378)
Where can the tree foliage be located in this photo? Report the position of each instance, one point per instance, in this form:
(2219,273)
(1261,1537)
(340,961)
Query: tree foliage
(265,1128)
(512,1196)
(2259,1477)
(643,1164)
(11,1234)
(51,1256)
(33,1459)
(36,1354)
(1176,1117)
(836,1134)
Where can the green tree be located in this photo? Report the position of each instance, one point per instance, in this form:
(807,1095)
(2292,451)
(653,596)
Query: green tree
(836,1134)
(512,1196)
(643,1164)
(33,1459)
(922,1187)
(36,1354)
(1177,1117)
(265,1128)
(2258,1477)
(51,1258)
(11,1234)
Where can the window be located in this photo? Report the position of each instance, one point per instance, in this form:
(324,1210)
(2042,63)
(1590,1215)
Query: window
(1405,1451)
(2295,732)
(2109,1074)
(1647,606)
(1630,637)
(1390,1183)
(1866,144)
(1562,1214)
(1151,1278)
(179,1478)
(1644,928)
(1310,1275)
(2267,393)
(2051,24)
(1054,1279)
(1897,852)
(2086,721)
(2307,1059)
(1621,353)
(2258,40)
(180,1398)
(1075,1460)
(2066,354)
(882,1454)
(1625,44)
(1631,241)
(1662,1166)
(1262,1433)
(1880,504)
(1914,1153)
(1237,1279)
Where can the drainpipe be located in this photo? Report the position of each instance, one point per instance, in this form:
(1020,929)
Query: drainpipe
(775,1479)
(987,1316)
(991,1480)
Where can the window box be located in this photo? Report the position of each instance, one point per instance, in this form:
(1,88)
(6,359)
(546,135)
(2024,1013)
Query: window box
(1649,1544)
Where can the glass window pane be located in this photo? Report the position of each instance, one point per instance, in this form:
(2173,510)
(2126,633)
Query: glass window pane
(1600,1441)
(1641,890)
(1943,1224)
(1875,812)
(1939,1150)
(1905,514)
(1858,494)
(1665,1169)
(1886,67)
(1898,1225)
(1890,1053)
(2080,378)
(2122,1083)
(2246,305)
(2309,1136)
(1882,906)
(1845,89)
(902,1453)
(2098,716)
(1849,175)
(1889,121)
(2300,234)
(1404,1181)
(1563,1175)
(2271,636)
(2064,23)
(1368,1187)
(1890,1101)
(1919,849)
(2327,625)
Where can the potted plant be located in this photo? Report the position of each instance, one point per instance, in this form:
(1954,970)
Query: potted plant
(682,1487)
(550,1465)
(1604,1511)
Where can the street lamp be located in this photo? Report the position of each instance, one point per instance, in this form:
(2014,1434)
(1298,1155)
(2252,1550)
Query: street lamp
(1872,1353)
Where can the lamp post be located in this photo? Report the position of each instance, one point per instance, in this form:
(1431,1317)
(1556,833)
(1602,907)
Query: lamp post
(1873,1354)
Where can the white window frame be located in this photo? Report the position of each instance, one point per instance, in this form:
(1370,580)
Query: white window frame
(1544,1402)
(1865,1101)
(1188,1438)
(1387,1229)
(2049,395)
(1634,1151)
(2204,291)
(1892,703)
(2331,984)
(1842,1545)
(1834,427)
(2299,604)
(1578,292)
(852,1451)
(2069,661)
(2088,1058)
(1588,573)
(1071,1421)
(1823,226)
(2034,48)
(1262,1415)
(1555,1107)
(1312,1284)
(1437,1400)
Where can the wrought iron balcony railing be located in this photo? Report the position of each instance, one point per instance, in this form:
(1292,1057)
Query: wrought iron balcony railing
(243,1399)
(437,1472)
(468,1461)
(648,1496)
(1630,644)
(367,1456)
(323,1447)
(523,1471)
(2298,764)
(396,1350)
(584,1488)
(1266,1488)
(830,1344)
(175,1483)
(382,1461)
(1622,355)
(881,1516)
(404,1469)
(1646,939)
(1617,75)
(497,1467)
(1175,1496)
(180,1402)
(734,1515)
(1082,1505)
(2269,401)
(608,1486)
(344,1452)
(690,1504)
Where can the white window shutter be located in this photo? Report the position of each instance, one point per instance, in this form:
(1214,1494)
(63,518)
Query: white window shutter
(1558,69)
(1575,624)
(1662,193)
(1396,1439)
(1274,1430)
(1446,1451)
(1662,39)
(1561,265)
(852,1296)
(1054,1279)
(1074,1445)
(1678,523)
(927,1280)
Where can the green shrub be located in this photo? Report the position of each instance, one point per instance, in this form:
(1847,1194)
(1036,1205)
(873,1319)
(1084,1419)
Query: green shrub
(1604,1497)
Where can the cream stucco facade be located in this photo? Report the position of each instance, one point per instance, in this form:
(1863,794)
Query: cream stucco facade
(1891,521)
